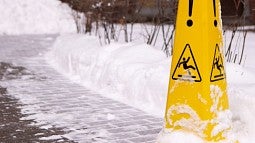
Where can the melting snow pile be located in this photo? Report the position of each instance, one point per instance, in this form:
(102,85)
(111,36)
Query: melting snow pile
(138,74)
(35,17)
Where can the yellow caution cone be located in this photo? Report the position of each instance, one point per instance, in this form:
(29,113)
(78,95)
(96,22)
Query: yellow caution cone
(197,97)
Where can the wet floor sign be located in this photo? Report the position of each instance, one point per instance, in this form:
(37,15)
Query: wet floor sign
(197,97)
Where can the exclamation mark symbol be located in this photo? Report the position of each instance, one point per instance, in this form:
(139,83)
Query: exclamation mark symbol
(190,22)
(214,11)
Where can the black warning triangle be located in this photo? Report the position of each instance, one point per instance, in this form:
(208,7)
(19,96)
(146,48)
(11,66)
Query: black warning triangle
(186,68)
(218,70)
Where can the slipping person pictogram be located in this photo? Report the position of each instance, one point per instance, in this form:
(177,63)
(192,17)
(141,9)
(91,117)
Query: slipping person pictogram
(218,72)
(185,65)
(218,66)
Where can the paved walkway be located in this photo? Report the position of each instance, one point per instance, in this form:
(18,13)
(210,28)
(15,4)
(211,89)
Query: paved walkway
(70,112)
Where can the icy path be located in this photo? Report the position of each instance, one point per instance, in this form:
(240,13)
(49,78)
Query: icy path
(53,101)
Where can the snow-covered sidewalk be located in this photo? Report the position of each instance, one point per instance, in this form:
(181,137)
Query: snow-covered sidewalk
(53,101)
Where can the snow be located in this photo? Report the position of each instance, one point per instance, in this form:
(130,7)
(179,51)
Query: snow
(137,74)
(110,116)
(223,123)
(167,136)
(53,137)
(35,17)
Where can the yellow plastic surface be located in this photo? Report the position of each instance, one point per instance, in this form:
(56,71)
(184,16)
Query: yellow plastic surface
(197,86)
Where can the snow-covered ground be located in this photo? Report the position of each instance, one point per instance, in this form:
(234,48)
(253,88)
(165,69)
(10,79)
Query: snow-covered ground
(35,17)
(137,74)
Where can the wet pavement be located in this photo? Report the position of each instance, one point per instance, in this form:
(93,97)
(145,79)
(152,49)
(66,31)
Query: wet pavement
(13,128)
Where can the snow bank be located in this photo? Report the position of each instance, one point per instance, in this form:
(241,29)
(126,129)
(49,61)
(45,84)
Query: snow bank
(138,74)
(35,17)
(125,72)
